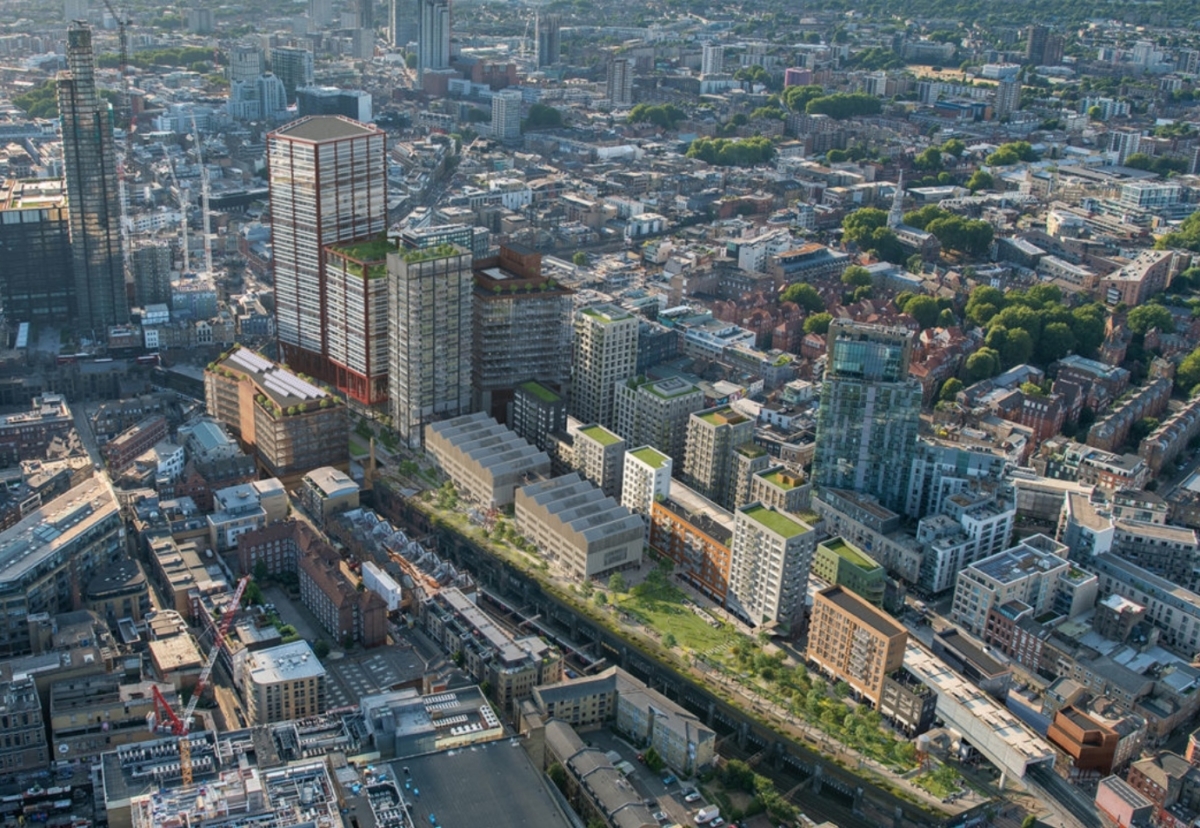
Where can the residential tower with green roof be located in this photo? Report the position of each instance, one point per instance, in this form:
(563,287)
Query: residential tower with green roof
(770,558)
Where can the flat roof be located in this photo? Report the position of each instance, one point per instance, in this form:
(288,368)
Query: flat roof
(47,530)
(284,387)
(503,789)
(651,457)
(32,194)
(318,128)
(783,479)
(606,314)
(777,522)
(848,551)
(287,662)
(600,434)
(540,391)
(855,606)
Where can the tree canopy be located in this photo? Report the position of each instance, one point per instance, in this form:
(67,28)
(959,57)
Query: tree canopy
(805,296)
(666,116)
(842,105)
(723,152)
(1008,154)
(542,116)
(1186,236)
(1034,324)
(1144,318)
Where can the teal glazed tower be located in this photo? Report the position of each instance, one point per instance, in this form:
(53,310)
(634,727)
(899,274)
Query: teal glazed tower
(869,414)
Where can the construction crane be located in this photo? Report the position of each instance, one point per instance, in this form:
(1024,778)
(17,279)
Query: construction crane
(163,715)
(208,267)
(123,65)
(183,212)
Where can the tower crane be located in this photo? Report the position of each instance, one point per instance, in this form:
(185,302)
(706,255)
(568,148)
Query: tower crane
(203,197)
(123,64)
(183,212)
(179,725)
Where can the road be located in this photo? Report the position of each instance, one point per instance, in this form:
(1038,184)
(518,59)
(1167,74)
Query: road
(80,413)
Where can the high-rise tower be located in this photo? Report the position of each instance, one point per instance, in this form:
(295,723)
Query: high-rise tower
(433,36)
(870,412)
(712,59)
(328,178)
(429,337)
(547,29)
(605,353)
(402,21)
(93,199)
(620,82)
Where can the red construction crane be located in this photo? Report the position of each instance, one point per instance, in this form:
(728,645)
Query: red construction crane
(180,725)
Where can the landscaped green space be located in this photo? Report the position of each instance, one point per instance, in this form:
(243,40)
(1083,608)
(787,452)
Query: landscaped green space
(940,782)
(651,457)
(601,435)
(372,250)
(358,448)
(777,522)
(540,391)
(844,550)
(663,607)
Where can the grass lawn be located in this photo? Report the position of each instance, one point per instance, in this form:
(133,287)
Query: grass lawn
(358,447)
(941,782)
(663,607)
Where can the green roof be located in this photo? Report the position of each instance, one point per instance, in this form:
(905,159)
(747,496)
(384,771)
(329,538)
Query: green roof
(600,316)
(721,416)
(750,450)
(371,250)
(651,457)
(781,479)
(424,254)
(600,434)
(540,391)
(849,552)
(777,522)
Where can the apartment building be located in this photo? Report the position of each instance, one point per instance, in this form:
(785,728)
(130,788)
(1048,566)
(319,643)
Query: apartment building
(600,457)
(283,683)
(770,558)
(1028,572)
(713,436)
(656,413)
(838,562)
(645,478)
(696,535)
(780,488)
(605,354)
(852,641)
(537,412)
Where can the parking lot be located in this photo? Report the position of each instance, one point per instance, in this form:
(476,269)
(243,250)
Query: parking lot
(668,799)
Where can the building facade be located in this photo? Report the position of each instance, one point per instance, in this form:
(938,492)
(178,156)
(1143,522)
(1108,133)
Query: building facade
(770,558)
(854,642)
(36,283)
(605,353)
(283,683)
(328,185)
(713,438)
(656,413)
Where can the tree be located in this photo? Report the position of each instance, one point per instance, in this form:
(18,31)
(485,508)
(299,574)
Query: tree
(601,599)
(1141,429)
(856,276)
(669,641)
(579,259)
(1017,348)
(859,226)
(1145,318)
(1088,324)
(947,319)
(321,648)
(616,582)
(722,152)
(1186,236)
(915,264)
(818,323)
(1187,375)
(1030,820)
(980,180)
(796,98)
(954,147)
(930,159)
(1055,342)
(921,218)
(950,389)
(666,116)
(261,573)
(842,105)
(558,775)
(1096,114)
(983,364)
(805,296)
(542,116)
(924,309)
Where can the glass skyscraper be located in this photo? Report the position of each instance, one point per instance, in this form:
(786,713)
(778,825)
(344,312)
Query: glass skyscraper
(869,414)
(93,198)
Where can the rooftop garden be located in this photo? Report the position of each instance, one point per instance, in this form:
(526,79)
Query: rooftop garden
(540,391)
(601,435)
(777,522)
(425,254)
(782,479)
(751,450)
(844,550)
(722,415)
(652,458)
(371,250)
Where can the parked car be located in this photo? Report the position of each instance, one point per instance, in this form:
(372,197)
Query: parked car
(660,816)
(669,779)
(691,796)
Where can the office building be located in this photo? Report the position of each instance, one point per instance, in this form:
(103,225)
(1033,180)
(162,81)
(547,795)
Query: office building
(291,425)
(283,683)
(599,456)
(294,68)
(25,749)
(36,282)
(328,180)
(246,62)
(656,413)
(854,642)
(869,415)
(402,22)
(646,477)
(93,198)
(152,263)
(537,412)
(327,491)
(506,115)
(1027,573)
(91,715)
(52,553)
(770,558)
(695,534)
(712,59)
(330,100)
(840,563)
(713,437)
(429,337)
(605,353)
(521,329)
(118,591)
(547,28)
(365,11)
(575,525)
(485,460)
(620,82)
(433,37)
